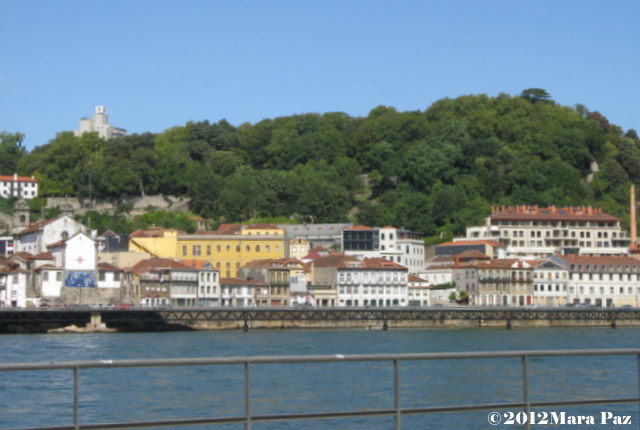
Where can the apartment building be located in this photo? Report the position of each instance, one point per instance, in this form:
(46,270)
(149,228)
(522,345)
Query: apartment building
(608,281)
(233,245)
(551,282)
(400,246)
(504,282)
(530,231)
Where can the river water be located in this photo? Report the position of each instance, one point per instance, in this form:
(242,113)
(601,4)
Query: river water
(38,398)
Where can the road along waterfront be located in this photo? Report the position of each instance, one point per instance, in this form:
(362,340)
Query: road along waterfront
(40,398)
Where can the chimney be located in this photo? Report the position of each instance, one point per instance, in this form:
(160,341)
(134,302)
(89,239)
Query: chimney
(457,260)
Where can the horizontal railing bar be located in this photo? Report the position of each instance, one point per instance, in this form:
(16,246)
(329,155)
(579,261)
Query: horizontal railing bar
(340,414)
(310,359)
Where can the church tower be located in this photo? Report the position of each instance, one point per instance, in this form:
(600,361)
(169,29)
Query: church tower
(20,216)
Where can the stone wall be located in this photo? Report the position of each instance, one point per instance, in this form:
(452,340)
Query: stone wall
(140,204)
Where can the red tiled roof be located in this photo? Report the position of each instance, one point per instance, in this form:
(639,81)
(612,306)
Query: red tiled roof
(608,259)
(150,264)
(551,213)
(196,264)
(414,278)
(22,255)
(333,260)
(47,267)
(359,227)
(106,267)
(474,255)
(382,263)
(43,256)
(4,178)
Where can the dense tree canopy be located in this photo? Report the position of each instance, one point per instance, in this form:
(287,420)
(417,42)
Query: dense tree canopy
(435,171)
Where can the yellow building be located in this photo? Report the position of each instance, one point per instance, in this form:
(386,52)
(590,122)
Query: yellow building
(233,245)
(156,241)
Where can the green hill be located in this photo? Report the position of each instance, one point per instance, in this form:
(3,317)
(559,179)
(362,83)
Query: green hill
(435,171)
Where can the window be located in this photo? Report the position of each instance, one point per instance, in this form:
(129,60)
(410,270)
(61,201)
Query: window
(208,250)
(58,276)
(116,276)
(45,276)
(184,250)
(101,276)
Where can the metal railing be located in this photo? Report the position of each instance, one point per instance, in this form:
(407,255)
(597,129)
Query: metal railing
(397,411)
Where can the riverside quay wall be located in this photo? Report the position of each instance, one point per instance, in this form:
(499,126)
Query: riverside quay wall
(168,319)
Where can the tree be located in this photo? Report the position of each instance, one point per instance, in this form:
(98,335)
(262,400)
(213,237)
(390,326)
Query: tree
(534,95)
(11,150)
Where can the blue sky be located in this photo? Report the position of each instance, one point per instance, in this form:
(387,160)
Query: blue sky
(157,64)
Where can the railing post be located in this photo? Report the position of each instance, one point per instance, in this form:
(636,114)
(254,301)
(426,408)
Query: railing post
(396,392)
(76,424)
(525,390)
(247,396)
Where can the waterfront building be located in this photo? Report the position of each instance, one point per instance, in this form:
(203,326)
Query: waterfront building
(165,281)
(504,282)
(238,292)
(99,123)
(233,245)
(608,281)
(419,291)
(22,187)
(397,245)
(324,278)
(288,280)
(551,281)
(50,279)
(371,282)
(13,284)
(530,231)
(439,270)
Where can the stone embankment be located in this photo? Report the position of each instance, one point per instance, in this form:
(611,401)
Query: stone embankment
(139,205)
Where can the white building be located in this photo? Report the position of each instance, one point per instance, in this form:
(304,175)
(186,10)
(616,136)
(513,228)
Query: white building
(372,282)
(604,281)
(36,238)
(18,186)
(100,124)
(13,284)
(530,231)
(550,282)
(240,292)
(419,291)
(76,256)
(397,245)
(208,286)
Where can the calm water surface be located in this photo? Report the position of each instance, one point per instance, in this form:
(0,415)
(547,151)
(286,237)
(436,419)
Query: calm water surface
(38,398)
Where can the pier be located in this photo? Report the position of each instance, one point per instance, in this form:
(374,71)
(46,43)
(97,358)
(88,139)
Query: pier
(176,318)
